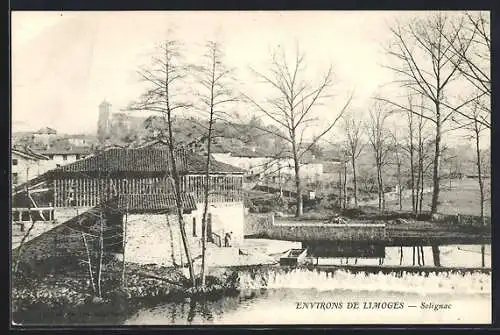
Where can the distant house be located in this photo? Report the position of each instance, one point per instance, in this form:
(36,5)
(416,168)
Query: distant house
(44,135)
(26,165)
(261,164)
(63,155)
(81,140)
(254,161)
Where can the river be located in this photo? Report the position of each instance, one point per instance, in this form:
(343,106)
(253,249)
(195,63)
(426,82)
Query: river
(275,295)
(309,297)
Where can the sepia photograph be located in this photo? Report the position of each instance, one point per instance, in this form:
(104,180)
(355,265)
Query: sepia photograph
(250,168)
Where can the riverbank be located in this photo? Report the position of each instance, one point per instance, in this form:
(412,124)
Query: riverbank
(69,297)
(65,291)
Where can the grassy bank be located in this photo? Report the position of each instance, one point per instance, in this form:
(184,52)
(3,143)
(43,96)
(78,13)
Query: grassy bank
(42,296)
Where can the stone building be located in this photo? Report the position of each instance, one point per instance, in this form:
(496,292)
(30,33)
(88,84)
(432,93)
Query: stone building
(132,190)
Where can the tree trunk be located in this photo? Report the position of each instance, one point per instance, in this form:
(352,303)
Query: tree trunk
(354,181)
(101,254)
(417,186)
(483,263)
(481,183)
(340,189)
(380,187)
(412,173)
(400,190)
(345,185)
(437,162)
(383,193)
(298,187)
(421,191)
(179,204)
(479,174)
(418,256)
(89,262)
(205,205)
(124,239)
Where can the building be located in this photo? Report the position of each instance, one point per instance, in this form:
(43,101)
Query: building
(115,125)
(26,164)
(60,155)
(44,136)
(134,188)
(103,123)
(261,165)
(81,140)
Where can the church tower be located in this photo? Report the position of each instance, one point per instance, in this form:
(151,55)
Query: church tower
(103,124)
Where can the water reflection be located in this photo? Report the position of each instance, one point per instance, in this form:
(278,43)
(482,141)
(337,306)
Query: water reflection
(278,306)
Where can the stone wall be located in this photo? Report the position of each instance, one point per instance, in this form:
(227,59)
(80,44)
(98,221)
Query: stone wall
(57,242)
(156,238)
(256,224)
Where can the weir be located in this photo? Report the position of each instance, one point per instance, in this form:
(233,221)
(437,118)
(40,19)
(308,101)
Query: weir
(330,278)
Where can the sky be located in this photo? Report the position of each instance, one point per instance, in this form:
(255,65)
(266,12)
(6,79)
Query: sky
(64,64)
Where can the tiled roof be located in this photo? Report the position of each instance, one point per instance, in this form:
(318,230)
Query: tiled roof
(125,160)
(197,165)
(150,203)
(46,130)
(66,151)
(28,154)
(42,199)
(146,160)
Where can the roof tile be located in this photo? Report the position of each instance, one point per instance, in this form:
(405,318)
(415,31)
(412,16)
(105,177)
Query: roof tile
(146,160)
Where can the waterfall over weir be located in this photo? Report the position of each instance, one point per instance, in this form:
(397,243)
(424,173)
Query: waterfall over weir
(469,283)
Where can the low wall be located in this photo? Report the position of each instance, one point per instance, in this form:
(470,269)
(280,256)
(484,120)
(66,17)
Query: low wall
(465,220)
(266,227)
(327,232)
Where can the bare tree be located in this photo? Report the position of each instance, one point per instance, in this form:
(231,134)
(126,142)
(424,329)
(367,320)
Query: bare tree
(428,65)
(379,140)
(472,54)
(292,107)
(354,146)
(215,93)
(410,150)
(164,96)
(477,128)
(396,147)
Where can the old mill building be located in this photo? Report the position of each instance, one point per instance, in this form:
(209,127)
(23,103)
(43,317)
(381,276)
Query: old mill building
(132,189)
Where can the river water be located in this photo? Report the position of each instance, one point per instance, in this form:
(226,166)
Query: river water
(276,295)
(311,297)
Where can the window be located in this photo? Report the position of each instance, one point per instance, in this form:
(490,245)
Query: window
(77,157)
(65,157)
(51,156)
(194,227)
(14,178)
(14,161)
